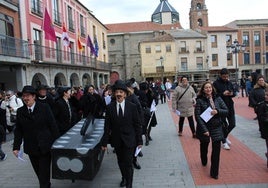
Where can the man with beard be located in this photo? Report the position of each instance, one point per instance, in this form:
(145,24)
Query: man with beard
(123,126)
(225,90)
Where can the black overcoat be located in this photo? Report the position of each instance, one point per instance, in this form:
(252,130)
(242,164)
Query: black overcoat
(37,130)
(127,129)
(214,125)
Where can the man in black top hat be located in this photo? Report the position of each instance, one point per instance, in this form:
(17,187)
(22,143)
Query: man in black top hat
(123,125)
(37,128)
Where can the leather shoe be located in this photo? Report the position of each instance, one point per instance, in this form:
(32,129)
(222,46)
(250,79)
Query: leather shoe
(150,138)
(123,183)
(214,177)
(136,165)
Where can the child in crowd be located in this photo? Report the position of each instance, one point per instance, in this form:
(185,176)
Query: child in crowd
(262,114)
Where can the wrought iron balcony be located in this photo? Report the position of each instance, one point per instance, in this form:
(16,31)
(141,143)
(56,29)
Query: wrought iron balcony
(10,46)
(46,55)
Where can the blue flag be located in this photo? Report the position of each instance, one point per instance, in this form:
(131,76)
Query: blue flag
(96,46)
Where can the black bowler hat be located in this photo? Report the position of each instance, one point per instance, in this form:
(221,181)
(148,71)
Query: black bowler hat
(28,89)
(120,84)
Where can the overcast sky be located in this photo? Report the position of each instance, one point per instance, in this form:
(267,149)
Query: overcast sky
(220,12)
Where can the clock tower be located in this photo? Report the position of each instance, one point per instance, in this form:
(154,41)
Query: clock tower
(198,14)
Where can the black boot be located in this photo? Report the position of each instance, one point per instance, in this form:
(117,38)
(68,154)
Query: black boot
(136,164)
(123,183)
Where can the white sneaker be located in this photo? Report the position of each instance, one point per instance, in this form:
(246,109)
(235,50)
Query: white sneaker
(228,141)
(226,146)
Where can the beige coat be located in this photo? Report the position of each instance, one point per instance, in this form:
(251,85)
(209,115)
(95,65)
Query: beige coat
(186,104)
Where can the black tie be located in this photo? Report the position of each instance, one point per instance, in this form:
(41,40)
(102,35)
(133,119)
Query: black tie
(120,114)
(30,111)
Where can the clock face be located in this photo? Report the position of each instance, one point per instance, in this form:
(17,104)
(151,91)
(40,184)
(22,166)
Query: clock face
(199,13)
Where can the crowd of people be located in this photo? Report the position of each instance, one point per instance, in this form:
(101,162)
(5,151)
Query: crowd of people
(38,116)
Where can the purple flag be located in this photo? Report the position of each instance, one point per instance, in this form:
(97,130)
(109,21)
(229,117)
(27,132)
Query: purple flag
(90,45)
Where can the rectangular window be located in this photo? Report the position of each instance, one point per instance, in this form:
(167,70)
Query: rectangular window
(56,12)
(157,49)
(37,45)
(70,19)
(199,63)
(6,25)
(168,48)
(246,38)
(183,46)
(58,50)
(215,60)
(257,40)
(198,46)
(103,41)
(257,58)
(82,27)
(229,59)
(36,7)
(213,39)
(246,59)
(266,38)
(228,40)
(184,64)
(148,49)
(72,55)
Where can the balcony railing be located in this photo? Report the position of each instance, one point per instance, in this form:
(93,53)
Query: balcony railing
(199,49)
(183,50)
(42,54)
(10,46)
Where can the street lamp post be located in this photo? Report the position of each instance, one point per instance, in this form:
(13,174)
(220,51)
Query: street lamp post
(236,48)
(162,68)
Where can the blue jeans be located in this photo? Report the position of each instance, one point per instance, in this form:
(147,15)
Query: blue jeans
(168,94)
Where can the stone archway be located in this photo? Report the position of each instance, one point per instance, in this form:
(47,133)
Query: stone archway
(74,80)
(38,79)
(86,80)
(60,80)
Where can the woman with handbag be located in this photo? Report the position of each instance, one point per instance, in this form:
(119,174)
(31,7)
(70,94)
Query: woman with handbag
(183,101)
(210,128)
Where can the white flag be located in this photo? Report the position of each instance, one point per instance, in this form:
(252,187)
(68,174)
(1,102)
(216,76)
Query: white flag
(153,108)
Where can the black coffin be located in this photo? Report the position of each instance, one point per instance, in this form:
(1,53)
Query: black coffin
(78,157)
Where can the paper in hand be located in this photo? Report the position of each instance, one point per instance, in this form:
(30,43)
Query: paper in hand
(178,112)
(206,115)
